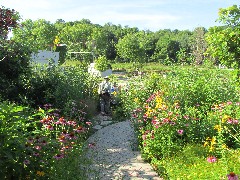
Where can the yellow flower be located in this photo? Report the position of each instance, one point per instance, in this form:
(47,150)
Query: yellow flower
(208,139)
(213,141)
(40,173)
(225,118)
(136,100)
(224,146)
(159,100)
(205,144)
(211,148)
(218,128)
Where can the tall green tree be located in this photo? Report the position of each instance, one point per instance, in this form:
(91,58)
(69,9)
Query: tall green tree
(224,42)
(131,48)
(167,47)
(184,55)
(36,35)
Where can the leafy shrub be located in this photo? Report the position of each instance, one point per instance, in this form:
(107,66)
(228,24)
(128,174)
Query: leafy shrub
(60,86)
(102,64)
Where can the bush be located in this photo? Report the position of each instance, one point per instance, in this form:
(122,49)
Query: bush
(102,64)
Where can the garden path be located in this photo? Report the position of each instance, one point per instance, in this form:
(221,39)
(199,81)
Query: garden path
(111,150)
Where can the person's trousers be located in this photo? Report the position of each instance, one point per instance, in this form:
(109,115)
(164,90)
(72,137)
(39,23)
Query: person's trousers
(105,103)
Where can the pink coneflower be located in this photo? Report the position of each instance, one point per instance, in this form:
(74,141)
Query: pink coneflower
(232,176)
(35,154)
(50,127)
(172,123)
(134,115)
(26,162)
(145,116)
(80,129)
(58,156)
(61,121)
(212,159)
(65,148)
(71,136)
(38,147)
(62,138)
(30,140)
(155,122)
(166,120)
(88,123)
(73,123)
(44,142)
(229,103)
(152,136)
(180,131)
(144,137)
(44,121)
(235,121)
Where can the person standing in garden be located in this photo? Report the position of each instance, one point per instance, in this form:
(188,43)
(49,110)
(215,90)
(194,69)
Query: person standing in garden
(104,91)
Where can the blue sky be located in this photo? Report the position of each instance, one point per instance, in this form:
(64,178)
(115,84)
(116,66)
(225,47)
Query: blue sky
(145,14)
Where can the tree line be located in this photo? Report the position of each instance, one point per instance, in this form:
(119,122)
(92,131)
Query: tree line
(218,44)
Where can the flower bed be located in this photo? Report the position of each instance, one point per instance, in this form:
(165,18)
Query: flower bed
(187,122)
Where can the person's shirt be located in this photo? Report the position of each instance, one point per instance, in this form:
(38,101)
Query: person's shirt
(104,86)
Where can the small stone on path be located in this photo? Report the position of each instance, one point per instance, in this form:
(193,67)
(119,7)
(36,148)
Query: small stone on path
(105,123)
(97,127)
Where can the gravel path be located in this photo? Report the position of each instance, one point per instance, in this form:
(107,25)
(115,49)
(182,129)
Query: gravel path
(112,155)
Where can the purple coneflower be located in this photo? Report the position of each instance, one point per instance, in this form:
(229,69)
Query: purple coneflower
(180,131)
(232,176)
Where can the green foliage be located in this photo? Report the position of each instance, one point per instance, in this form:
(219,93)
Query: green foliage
(36,35)
(34,144)
(223,41)
(15,125)
(131,48)
(230,15)
(102,64)
(14,57)
(59,86)
(191,163)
